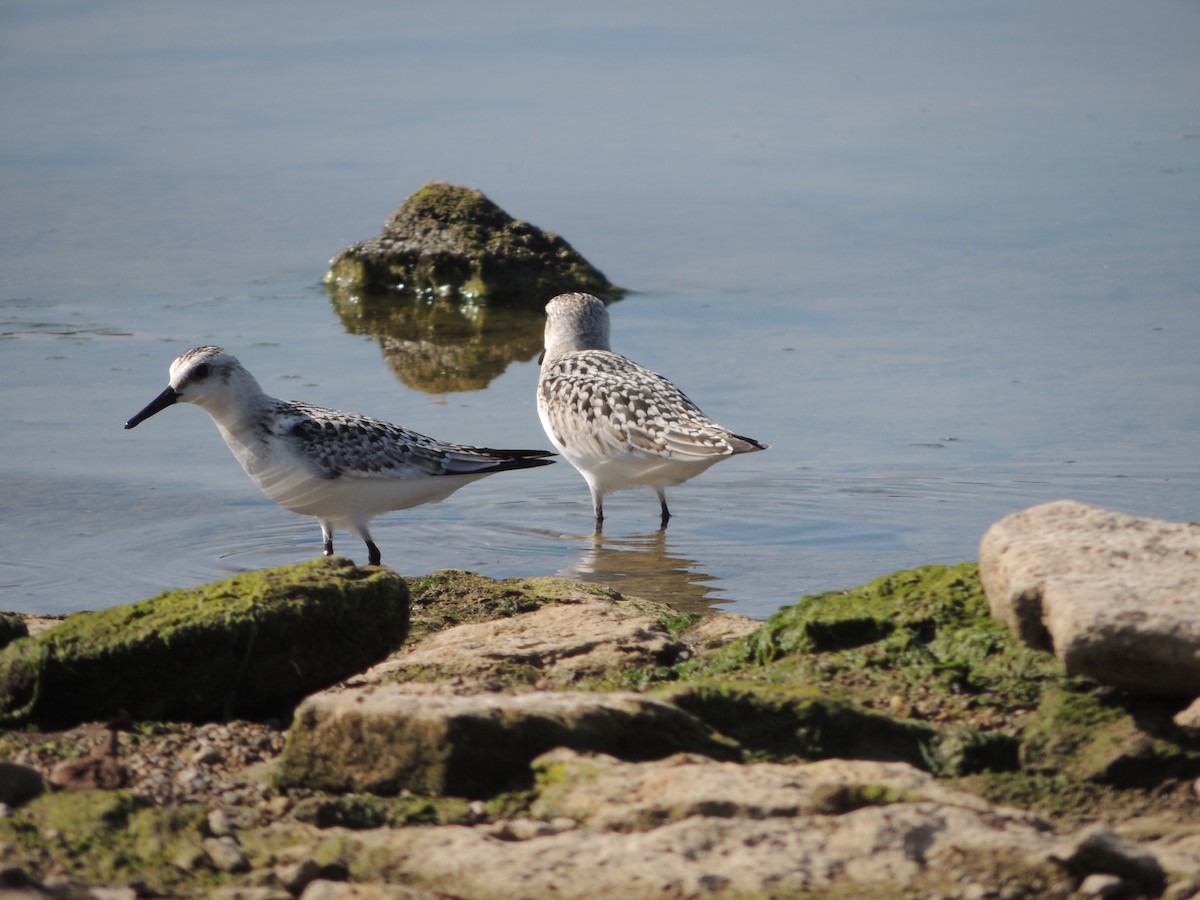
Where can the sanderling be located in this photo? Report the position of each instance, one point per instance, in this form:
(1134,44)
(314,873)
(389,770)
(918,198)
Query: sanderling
(618,423)
(341,467)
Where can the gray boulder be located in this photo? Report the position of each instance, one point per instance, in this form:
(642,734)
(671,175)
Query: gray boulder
(1115,597)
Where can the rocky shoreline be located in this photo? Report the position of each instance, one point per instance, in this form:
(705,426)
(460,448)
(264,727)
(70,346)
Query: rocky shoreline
(941,732)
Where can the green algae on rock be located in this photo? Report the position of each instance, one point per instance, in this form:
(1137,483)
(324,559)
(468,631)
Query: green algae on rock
(108,837)
(235,646)
(934,684)
(448,240)
(782,725)
(387,740)
(913,666)
(914,640)
(1106,736)
(450,597)
(12,627)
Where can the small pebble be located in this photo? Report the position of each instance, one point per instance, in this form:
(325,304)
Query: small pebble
(298,875)
(189,858)
(207,755)
(225,855)
(113,893)
(218,823)
(1103,885)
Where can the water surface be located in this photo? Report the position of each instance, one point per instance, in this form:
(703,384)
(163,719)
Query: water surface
(941,257)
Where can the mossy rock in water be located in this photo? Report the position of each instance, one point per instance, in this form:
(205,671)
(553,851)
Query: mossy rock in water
(237,646)
(452,241)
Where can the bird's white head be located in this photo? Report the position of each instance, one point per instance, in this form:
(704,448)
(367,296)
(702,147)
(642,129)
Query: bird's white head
(575,322)
(210,377)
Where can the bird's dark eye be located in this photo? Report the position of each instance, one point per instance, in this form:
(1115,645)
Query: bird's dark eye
(201,371)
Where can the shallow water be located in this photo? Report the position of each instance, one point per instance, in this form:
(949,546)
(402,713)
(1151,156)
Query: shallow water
(943,259)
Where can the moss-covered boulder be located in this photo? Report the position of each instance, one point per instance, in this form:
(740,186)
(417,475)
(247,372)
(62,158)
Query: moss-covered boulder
(236,646)
(452,241)
(1107,736)
(913,667)
(384,739)
(800,724)
(12,627)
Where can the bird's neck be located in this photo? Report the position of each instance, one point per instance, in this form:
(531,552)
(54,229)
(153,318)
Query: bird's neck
(241,417)
(574,343)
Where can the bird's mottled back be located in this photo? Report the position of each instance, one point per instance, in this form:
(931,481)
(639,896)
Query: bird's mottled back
(348,445)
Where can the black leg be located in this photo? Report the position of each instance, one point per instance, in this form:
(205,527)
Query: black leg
(666,513)
(373,556)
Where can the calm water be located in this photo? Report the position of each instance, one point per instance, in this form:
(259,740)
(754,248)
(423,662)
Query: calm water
(944,258)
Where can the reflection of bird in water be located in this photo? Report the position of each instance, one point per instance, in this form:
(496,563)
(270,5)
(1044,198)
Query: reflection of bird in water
(639,565)
(618,423)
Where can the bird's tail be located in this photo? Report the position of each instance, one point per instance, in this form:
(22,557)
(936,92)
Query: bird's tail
(743,444)
(516,459)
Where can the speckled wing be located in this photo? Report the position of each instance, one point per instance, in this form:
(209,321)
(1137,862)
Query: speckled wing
(345,445)
(601,403)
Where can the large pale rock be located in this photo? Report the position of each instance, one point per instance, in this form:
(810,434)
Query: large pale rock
(607,793)
(385,739)
(1114,596)
(1178,850)
(687,827)
(886,850)
(341,890)
(551,647)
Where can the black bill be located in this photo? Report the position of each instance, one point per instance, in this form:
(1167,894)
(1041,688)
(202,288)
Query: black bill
(158,404)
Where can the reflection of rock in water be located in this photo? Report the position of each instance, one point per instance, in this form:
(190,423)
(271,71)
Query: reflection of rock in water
(438,345)
(640,566)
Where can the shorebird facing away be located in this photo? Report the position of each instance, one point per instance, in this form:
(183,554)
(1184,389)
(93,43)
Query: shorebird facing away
(342,468)
(618,423)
